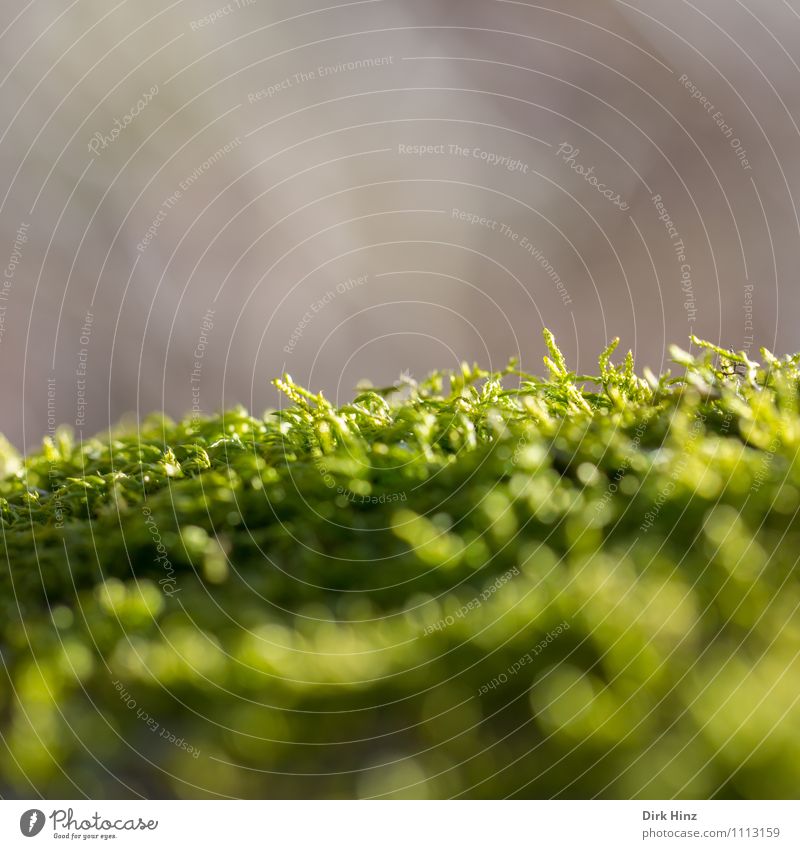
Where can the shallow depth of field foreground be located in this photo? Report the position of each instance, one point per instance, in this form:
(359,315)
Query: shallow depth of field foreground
(482,585)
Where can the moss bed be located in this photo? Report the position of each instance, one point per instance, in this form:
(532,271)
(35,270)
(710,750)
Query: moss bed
(482,584)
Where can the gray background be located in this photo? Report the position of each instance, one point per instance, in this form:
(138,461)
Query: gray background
(317,193)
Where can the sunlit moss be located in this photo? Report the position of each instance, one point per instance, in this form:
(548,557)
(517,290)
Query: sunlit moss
(481,583)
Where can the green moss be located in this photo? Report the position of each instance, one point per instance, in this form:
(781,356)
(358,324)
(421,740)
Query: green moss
(485,584)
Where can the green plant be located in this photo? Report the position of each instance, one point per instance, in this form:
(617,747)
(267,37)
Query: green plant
(482,584)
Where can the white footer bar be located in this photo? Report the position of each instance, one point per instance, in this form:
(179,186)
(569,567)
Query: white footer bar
(414,824)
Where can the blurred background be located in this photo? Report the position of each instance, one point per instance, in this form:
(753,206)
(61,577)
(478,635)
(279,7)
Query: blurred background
(197,196)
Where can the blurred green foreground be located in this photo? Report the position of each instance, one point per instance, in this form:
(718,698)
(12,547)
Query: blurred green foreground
(483,585)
